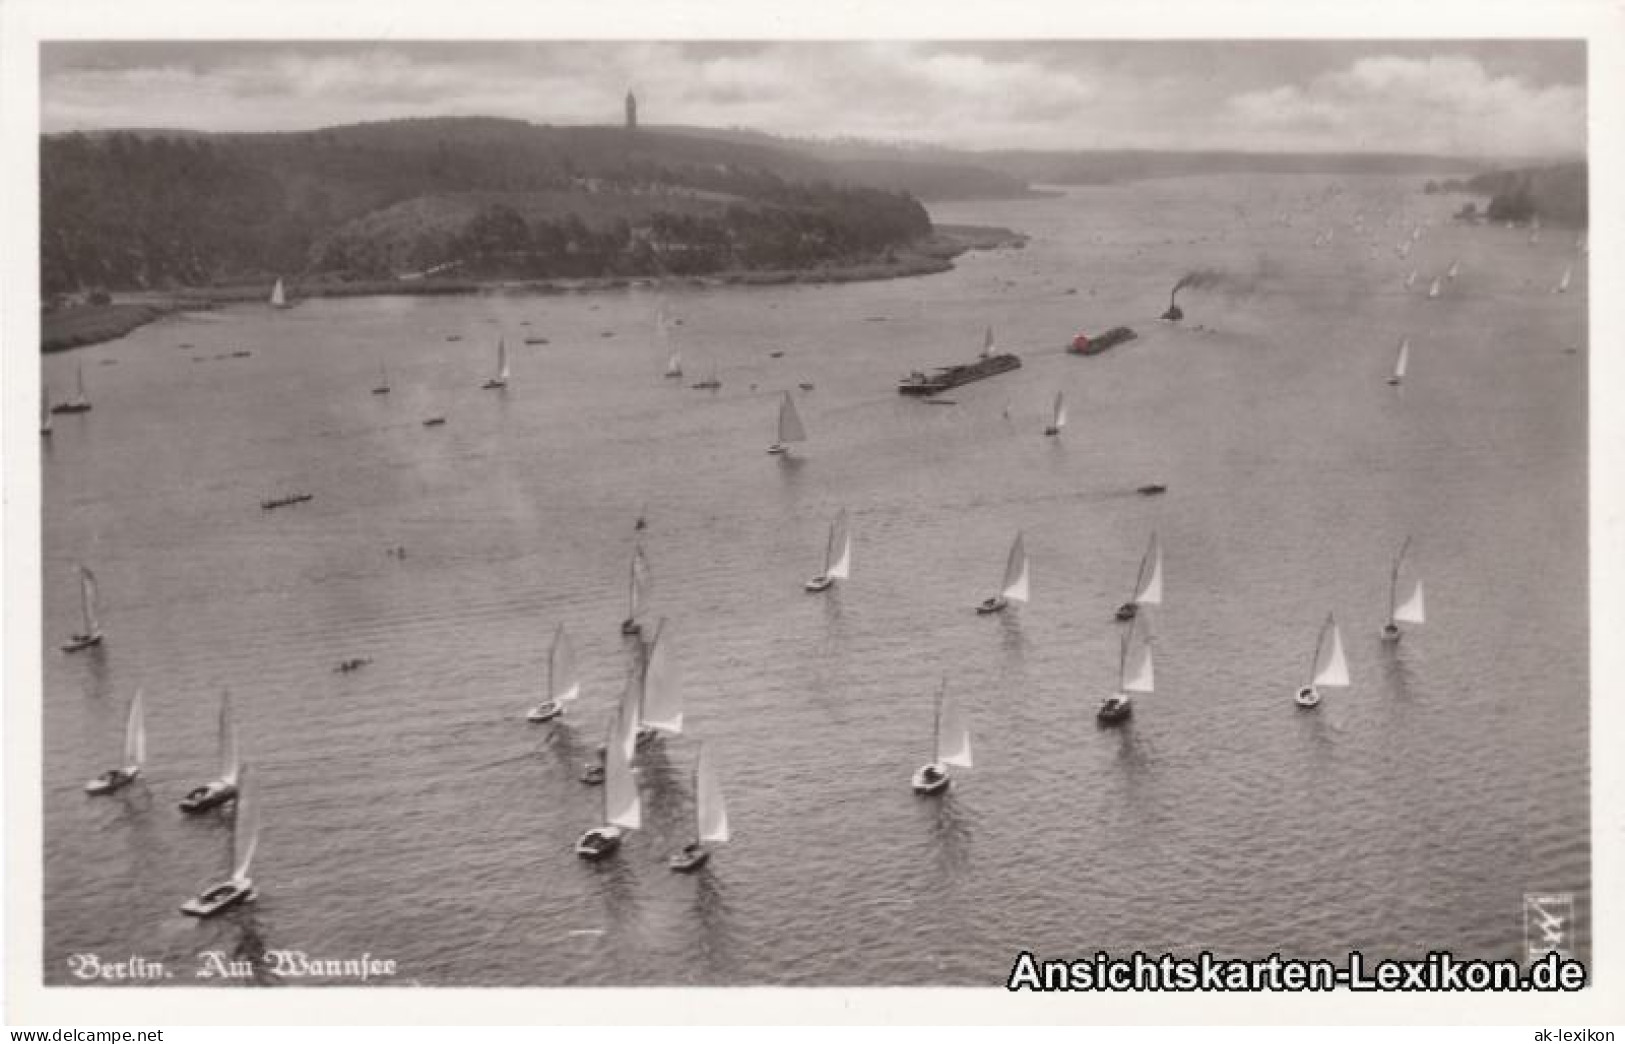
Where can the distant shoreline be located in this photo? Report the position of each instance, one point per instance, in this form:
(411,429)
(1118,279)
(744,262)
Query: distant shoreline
(77,326)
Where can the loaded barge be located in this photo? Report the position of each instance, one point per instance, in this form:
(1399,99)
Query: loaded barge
(947,377)
(1083,344)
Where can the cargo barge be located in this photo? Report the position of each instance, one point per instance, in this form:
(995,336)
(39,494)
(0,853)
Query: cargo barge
(1083,344)
(946,377)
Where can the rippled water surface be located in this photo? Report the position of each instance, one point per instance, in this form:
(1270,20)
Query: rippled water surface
(409,811)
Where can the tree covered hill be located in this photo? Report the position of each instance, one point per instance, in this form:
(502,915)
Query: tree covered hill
(151,209)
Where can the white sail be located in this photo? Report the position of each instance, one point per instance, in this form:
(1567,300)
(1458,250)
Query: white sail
(1563,284)
(87,602)
(626,716)
(987,343)
(674,364)
(838,557)
(662,686)
(622,806)
(1331,666)
(1149,590)
(1455,268)
(1137,671)
(1060,412)
(1410,280)
(953,734)
(710,812)
(1016,578)
(790,429)
(563,682)
(1433,291)
(1404,357)
(1411,609)
(637,583)
(135,735)
(278,297)
(229,755)
(502,359)
(245,833)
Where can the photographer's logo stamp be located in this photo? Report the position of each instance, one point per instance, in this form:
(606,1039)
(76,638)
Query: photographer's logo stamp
(1548,924)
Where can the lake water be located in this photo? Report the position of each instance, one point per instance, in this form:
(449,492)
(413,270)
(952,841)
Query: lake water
(410,812)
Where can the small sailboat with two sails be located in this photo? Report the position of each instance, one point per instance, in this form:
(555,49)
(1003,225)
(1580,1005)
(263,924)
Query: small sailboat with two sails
(952,738)
(710,817)
(623,809)
(1135,674)
(219,791)
(789,429)
(1330,666)
(135,753)
(837,556)
(1017,577)
(501,378)
(245,838)
(1411,610)
(563,680)
(1147,582)
(91,634)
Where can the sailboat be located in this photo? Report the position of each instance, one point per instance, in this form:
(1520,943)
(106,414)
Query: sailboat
(501,379)
(44,410)
(637,588)
(382,387)
(563,681)
(245,837)
(710,816)
(1058,418)
(1330,666)
(987,344)
(219,791)
(135,753)
(1455,269)
(1562,286)
(952,738)
(1433,291)
(92,633)
(837,556)
(790,429)
(674,357)
(279,298)
(80,403)
(1401,360)
(711,381)
(623,810)
(1410,280)
(661,707)
(1147,582)
(1016,579)
(1135,673)
(1411,610)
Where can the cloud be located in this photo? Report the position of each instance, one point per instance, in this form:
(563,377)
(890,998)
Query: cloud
(1044,95)
(1402,104)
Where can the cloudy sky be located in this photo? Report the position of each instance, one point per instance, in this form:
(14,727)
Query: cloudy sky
(1523,99)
